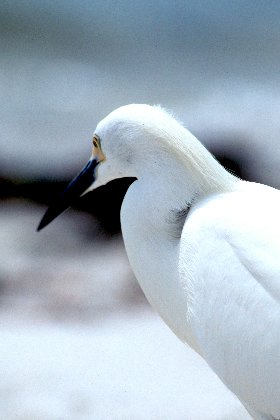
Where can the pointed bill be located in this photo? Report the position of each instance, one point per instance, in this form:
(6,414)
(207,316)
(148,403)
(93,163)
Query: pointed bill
(74,190)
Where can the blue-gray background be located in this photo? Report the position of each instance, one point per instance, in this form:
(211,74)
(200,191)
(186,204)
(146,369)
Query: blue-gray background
(64,66)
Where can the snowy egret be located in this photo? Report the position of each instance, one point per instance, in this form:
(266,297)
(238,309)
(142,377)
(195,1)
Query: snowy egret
(203,245)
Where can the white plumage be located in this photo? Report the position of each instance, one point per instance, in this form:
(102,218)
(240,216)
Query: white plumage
(204,246)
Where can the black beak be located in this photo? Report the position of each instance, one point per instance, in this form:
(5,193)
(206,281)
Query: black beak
(74,190)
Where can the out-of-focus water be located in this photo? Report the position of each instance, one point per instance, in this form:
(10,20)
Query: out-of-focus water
(66,65)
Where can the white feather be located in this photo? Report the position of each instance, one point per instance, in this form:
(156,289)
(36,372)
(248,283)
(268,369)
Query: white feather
(217,283)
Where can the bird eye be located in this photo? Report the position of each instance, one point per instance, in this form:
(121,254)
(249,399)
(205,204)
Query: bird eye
(97,150)
(95,141)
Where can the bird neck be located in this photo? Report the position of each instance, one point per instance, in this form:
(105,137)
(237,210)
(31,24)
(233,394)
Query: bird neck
(151,230)
(153,213)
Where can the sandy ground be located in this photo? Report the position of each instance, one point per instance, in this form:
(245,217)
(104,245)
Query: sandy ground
(78,340)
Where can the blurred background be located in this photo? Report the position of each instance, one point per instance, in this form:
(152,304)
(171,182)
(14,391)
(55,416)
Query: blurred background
(78,340)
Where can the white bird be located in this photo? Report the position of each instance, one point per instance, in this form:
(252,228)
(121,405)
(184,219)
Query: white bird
(204,246)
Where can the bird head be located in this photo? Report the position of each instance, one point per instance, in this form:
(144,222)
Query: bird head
(120,146)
